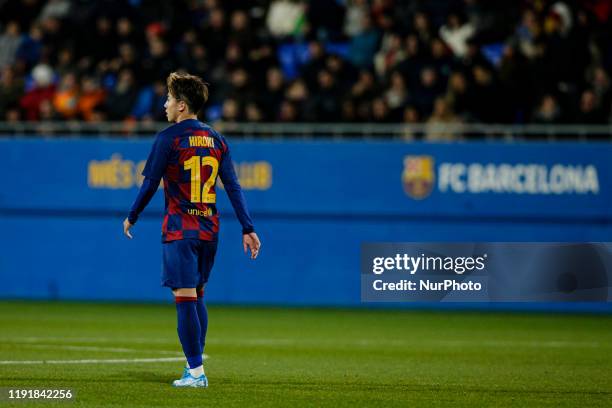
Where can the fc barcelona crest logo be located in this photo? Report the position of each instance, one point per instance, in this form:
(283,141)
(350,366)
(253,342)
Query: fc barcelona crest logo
(418,176)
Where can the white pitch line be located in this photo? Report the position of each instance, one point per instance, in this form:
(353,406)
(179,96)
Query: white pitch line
(36,339)
(94,348)
(97,361)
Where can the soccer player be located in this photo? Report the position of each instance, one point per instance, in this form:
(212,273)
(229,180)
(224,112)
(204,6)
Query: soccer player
(188,156)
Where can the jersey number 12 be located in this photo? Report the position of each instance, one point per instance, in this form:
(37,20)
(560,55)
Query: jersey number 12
(201,193)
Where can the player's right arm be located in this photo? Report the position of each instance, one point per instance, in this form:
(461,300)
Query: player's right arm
(153,172)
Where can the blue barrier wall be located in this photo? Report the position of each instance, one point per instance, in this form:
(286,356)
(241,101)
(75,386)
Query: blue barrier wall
(63,201)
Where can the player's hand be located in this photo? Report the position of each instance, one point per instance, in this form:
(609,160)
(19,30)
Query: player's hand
(126,228)
(251,242)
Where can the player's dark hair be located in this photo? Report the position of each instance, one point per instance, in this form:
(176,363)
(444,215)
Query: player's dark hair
(188,88)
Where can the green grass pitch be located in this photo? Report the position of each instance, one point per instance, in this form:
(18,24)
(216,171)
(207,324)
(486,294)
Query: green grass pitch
(309,357)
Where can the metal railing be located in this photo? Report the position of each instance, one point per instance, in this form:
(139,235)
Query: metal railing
(368,131)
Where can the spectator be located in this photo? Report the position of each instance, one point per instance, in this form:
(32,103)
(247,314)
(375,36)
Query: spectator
(528,32)
(240,30)
(11,90)
(589,111)
(349,112)
(396,95)
(441,60)
(459,96)
(364,89)
(234,57)
(342,70)
(514,83)
(241,89)
(297,93)
(474,57)
(413,62)
(390,54)
(160,97)
(410,117)
(253,113)
(456,32)
(121,101)
(56,36)
(104,39)
(487,107)
(30,49)
(91,98)
(563,51)
(426,91)
(198,63)
(65,61)
(421,27)
(67,96)
(47,112)
(325,19)
(9,44)
(214,34)
(288,112)
(55,9)
(272,96)
(127,59)
(364,45)
(158,62)
(356,10)
(316,62)
(382,14)
(285,18)
(260,58)
(127,34)
(231,111)
(13,115)
(362,93)
(548,112)
(149,105)
(599,82)
(380,111)
(437,124)
(326,106)
(43,90)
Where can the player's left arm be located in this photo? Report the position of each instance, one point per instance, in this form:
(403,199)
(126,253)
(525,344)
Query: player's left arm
(250,240)
(153,172)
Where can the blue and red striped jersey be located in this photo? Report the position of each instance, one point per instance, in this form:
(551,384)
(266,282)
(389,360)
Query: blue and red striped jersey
(189,156)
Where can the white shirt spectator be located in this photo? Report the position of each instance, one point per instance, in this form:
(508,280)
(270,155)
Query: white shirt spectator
(55,9)
(456,38)
(283,17)
(355,11)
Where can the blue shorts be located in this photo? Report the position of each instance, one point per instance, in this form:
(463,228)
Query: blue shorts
(187,262)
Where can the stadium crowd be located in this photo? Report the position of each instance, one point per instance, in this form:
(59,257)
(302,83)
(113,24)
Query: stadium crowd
(434,61)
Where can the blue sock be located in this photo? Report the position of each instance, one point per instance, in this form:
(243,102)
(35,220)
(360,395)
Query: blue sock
(203,316)
(188,328)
